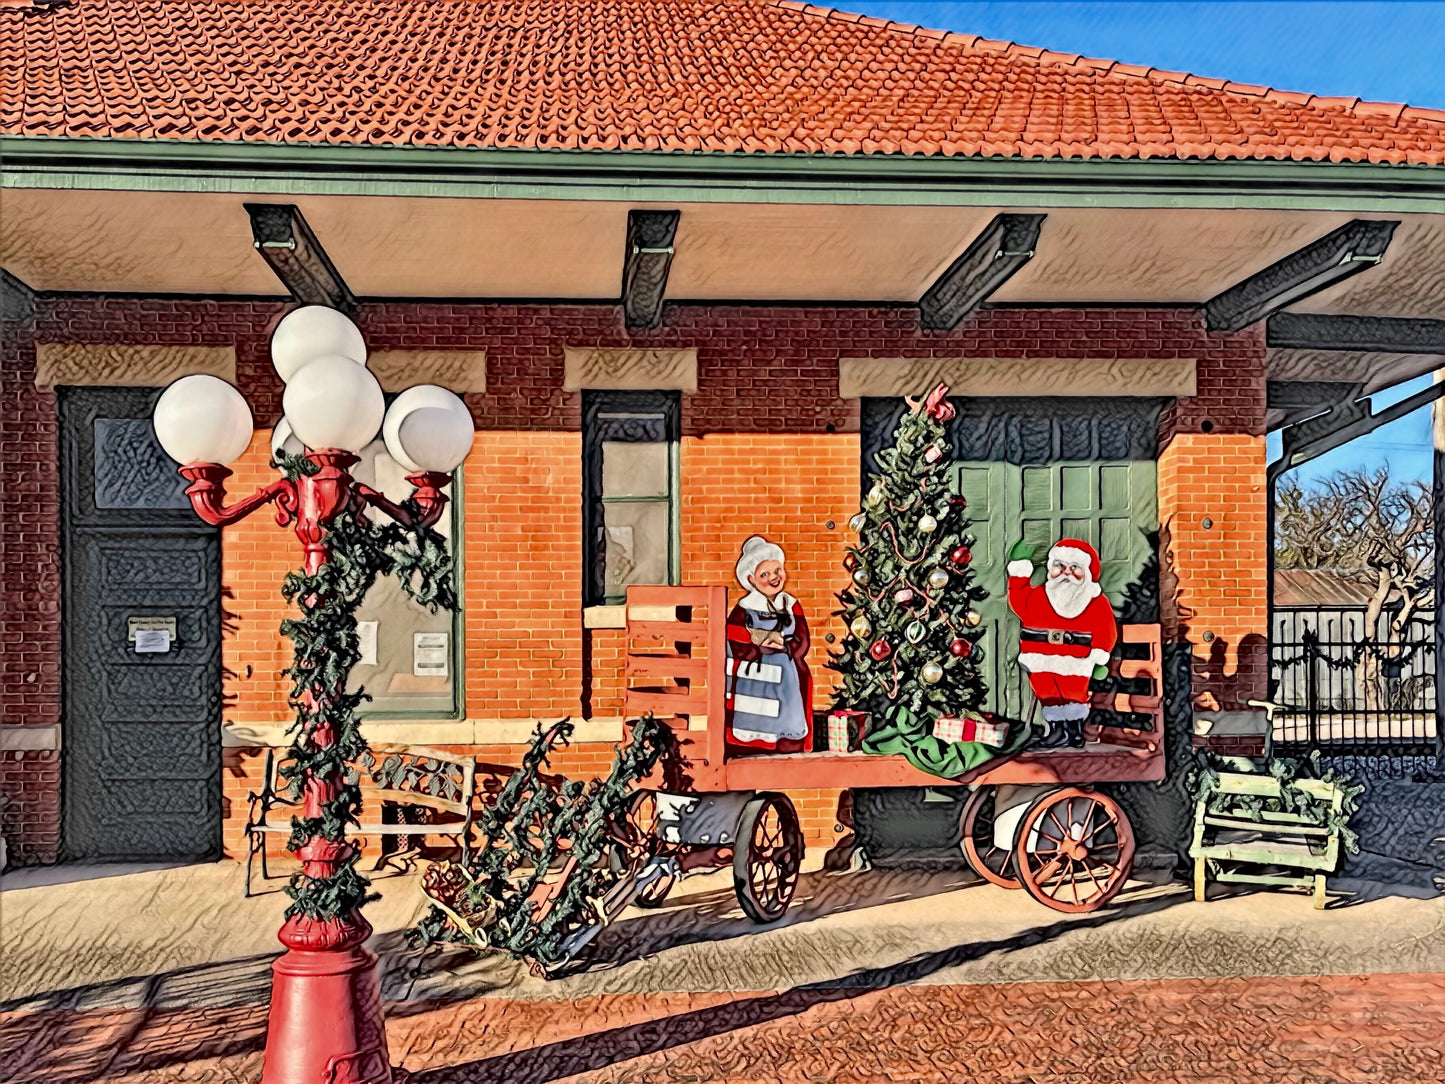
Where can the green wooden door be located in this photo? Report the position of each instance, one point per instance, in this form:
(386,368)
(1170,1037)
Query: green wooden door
(1111,505)
(1045,469)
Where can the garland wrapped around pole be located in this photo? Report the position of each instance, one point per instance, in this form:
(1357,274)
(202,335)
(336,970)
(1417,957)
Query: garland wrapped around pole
(343,562)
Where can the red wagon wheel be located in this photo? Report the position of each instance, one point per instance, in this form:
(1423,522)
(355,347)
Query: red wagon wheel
(768,856)
(1075,850)
(635,829)
(993,864)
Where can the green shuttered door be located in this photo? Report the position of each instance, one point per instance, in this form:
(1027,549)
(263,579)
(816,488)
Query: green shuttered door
(1046,469)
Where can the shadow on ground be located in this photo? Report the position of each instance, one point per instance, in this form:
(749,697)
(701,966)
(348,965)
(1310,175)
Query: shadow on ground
(599,1050)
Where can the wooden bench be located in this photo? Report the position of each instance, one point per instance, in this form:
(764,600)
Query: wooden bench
(393,777)
(1229,837)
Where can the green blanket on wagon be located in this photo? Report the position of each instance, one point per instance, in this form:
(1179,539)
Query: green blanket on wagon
(910,735)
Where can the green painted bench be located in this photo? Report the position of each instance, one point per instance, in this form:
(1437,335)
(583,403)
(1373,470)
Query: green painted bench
(1229,838)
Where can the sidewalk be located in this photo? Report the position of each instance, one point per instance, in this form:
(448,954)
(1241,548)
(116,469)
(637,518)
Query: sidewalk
(165,974)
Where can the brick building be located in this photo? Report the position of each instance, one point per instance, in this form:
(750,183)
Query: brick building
(747,227)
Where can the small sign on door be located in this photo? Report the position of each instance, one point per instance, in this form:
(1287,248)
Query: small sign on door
(151,635)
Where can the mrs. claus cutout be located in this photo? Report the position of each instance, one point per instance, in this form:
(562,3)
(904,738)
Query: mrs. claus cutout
(1068,631)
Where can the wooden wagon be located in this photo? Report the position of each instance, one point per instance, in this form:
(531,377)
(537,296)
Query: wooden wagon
(1033,820)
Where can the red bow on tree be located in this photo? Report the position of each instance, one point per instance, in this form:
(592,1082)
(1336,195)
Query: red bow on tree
(937,405)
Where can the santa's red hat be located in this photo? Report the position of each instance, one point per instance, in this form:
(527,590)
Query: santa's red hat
(1077,551)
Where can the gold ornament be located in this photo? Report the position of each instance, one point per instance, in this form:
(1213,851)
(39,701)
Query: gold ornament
(927,525)
(861,627)
(931,673)
(859,521)
(973,619)
(938,579)
(876,495)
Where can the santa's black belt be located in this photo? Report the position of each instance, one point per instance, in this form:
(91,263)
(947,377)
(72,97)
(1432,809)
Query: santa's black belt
(1056,636)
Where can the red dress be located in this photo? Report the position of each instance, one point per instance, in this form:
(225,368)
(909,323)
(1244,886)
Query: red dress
(792,693)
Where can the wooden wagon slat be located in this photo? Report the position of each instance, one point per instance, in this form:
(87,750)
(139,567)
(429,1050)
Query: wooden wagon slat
(690,632)
(666,703)
(1130,703)
(675,666)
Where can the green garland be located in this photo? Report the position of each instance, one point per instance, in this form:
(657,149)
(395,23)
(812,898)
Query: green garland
(1204,787)
(325,651)
(488,902)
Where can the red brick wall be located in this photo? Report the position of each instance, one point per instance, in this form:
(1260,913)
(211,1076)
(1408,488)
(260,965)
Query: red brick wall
(29,598)
(768,446)
(1214,589)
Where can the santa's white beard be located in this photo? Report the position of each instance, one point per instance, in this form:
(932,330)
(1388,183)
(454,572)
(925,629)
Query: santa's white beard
(1069,596)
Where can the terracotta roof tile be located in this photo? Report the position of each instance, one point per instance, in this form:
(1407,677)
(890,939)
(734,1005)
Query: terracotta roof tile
(753,76)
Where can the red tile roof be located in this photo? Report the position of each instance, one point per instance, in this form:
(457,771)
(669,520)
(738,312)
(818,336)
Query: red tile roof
(673,75)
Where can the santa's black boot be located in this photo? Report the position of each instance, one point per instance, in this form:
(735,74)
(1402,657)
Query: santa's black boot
(1056,737)
(1076,733)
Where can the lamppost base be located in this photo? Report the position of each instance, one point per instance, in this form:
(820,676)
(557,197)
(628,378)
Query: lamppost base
(326,1024)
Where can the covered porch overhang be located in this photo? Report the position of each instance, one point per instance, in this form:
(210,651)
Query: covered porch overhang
(132,217)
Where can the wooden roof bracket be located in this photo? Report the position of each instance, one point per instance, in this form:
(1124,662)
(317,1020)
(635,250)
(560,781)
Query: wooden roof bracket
(288,245)
(1005,245)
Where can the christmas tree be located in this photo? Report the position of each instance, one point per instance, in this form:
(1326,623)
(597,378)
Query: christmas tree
(911,654)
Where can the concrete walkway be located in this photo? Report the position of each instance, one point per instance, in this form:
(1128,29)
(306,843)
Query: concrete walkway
(185,937)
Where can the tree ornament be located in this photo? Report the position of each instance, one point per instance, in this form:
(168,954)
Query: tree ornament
(960,648)
(958,502)
(960,556)
(859,521)
(850,561)
(861,627)
(927,525)
(938,579)
(973,619)
(931,673)
(933,453)
(880,650)
(861,577)
(915,631)
(876,495)
(903,596)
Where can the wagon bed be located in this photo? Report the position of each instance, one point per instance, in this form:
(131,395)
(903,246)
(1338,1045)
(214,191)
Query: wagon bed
(675,655)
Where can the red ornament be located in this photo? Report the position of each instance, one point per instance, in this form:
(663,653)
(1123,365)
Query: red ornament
(961,555)
(850,561)
(880,650)
(960,649)
(958,502)
(903,596)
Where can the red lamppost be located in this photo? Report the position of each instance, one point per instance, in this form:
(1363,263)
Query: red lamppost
(325,1023)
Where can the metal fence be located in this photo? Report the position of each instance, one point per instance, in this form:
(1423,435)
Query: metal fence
(1347,691)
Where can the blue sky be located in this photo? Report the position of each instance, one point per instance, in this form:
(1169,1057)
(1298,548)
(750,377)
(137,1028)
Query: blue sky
(1390,52)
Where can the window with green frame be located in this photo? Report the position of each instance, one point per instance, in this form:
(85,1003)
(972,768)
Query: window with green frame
(630,512)
(411,662)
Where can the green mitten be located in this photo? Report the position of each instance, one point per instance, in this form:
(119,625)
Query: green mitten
(1022,551)
(1100,673)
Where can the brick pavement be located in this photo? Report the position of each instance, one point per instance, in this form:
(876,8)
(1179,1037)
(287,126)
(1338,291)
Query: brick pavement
(1337,1029)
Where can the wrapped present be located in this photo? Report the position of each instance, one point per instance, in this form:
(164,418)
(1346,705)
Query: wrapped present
(970,728)
(846,730)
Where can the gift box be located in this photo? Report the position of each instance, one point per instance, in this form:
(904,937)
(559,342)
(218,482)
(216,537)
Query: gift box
(970,728)
(846,730)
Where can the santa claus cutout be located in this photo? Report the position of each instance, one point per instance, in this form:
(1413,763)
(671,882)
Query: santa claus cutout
(1068,631)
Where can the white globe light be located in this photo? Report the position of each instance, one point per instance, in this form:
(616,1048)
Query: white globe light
(333,403)
(428,428)
(311,332)
(202,419)
(284,440)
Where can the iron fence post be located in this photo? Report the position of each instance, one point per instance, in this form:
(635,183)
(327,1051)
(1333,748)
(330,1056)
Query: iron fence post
(1312,717)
